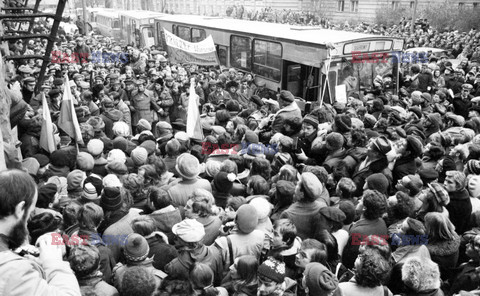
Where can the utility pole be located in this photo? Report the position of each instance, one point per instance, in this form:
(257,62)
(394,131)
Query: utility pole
(414,17)
(84,6)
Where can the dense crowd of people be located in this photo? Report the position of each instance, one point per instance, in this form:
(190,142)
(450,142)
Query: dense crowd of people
(378,196)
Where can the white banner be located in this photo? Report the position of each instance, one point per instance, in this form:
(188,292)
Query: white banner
(181,51)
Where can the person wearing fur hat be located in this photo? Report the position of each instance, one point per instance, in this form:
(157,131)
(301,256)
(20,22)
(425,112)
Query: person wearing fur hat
(188,236)
(302,212)
(188,168)
(135,250)
(421,276)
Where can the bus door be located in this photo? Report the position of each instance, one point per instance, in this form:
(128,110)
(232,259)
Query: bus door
(301,80)
(147,38)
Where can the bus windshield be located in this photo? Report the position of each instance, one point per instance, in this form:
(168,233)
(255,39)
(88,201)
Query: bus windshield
(360,76)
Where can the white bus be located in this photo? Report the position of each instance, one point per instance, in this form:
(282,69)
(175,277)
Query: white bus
(291,57)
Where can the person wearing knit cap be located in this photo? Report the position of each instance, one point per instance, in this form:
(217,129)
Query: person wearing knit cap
(59,163)
(244,237)
(85,162)
(139,156)
(111,180)
(75,181)
(188,168)
(377,182)
(111,199)
(135,251)
(85,262)
(188,236)
(460,206)
(318,280)
(473,167)
(271,277)
(89,194)
(288,109)
(264,209)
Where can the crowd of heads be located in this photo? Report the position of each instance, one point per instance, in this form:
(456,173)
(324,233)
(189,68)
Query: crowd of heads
(376,195)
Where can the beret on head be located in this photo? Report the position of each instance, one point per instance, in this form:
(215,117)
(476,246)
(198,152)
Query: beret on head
(189,230)
(116,155)
(187,166)
(246,218)
(319,279)
(75,180)
(334,214)
(334,141)
(85,161)
(377,182)
(311,185)
(287,96)
(95,147)
(263,207)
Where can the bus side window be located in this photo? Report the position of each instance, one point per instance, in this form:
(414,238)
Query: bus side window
(267,61)
(198,35)
(240,52)
(222,52)
(184,33)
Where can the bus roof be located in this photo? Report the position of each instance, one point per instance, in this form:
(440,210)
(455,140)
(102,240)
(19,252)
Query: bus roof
(109,13)
(306,34)
(140,14)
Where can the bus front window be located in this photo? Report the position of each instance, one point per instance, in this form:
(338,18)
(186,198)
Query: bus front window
(358,77)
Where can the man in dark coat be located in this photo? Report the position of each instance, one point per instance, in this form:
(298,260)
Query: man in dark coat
(462,101)
(406,165)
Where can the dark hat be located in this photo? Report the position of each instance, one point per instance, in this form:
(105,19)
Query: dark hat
(377,182)
(272,269)
(224,181)
(117,167)
(251,137)
(59,158)
(319,279)
(287,96)
(334,214)
(42,159)
(29,80)
(473,166)
(43,223)
(343,123)
(232,83)
(58,81)
(128,81)
(334,141)
(382,145)
(46,194)
(54,92)
(416,110)
(257,100)
(414,145)
(312,120)
(220,84)
(285,188)
(111,199)
(136,248)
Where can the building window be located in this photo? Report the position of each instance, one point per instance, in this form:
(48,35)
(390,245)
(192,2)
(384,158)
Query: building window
(412,4)
(461,5)
(241,52)
(475,5)
(341,5)
(267,60)
(354,6)
(395,4)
